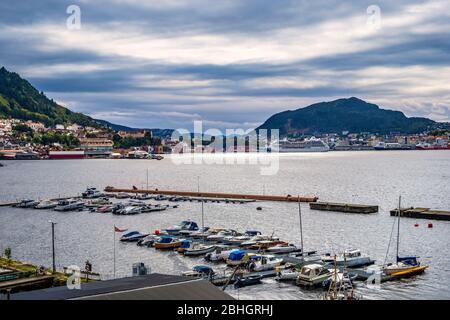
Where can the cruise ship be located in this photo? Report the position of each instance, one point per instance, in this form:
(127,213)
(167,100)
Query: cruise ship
(309,145)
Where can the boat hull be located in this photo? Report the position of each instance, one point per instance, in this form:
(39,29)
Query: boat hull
(167,246)
(402,272)
(199,252)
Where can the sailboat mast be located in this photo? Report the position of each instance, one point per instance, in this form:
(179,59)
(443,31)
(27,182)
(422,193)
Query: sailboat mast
(203,224)
(198,191)
(398,224)
(301,227)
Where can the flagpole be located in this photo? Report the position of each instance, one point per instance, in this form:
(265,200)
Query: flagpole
(114,231)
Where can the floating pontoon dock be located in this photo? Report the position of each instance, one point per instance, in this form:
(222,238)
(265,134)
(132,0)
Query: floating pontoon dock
(422,213)
(288,198)
(343,207)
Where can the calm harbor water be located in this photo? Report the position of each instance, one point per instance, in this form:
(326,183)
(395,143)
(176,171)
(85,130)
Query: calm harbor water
(422,178)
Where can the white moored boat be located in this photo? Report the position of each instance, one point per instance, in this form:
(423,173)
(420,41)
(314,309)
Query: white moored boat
(69,205)
(313,275)
(264,262)
(350,257)
(46,204)
(280,248)
(199,250)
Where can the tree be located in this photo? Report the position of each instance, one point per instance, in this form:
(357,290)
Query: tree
(7,254)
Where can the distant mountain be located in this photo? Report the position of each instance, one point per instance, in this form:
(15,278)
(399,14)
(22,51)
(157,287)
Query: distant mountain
(163,133)
(352,114)
(115,127)
(20,100)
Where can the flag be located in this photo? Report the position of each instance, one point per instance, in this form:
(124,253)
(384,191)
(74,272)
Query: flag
(119,230)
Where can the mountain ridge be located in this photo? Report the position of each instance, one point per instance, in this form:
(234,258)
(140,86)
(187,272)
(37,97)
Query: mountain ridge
(345,114)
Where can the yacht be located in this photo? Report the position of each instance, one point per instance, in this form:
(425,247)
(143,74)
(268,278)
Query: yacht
(70,205)
(92,193)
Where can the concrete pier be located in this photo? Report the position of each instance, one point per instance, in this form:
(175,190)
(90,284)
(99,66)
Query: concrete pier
(288,198)
(422,213)
(343,207)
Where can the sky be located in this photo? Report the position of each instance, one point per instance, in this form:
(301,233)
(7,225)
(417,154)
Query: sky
(231,64)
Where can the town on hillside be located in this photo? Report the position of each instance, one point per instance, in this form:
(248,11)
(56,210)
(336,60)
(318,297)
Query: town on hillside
(21,140)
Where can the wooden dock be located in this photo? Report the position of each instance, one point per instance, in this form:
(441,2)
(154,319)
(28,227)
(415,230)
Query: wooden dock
(422,213)
(287,198)
(343,207)
(26,283)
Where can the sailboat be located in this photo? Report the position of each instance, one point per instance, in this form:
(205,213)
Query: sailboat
(404,266)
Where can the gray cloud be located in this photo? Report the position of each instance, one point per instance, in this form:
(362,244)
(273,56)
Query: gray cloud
(251,82)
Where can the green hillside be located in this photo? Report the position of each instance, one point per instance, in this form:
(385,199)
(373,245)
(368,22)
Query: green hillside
(20,100)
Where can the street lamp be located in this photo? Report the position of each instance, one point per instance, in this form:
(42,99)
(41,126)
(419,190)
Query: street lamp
(53,245)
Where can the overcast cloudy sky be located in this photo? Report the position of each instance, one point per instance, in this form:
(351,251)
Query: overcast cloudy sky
(165,63)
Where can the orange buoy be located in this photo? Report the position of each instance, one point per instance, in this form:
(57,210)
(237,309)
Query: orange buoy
(157,232)
(430,225)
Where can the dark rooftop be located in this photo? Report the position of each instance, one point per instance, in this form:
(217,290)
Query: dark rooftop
(149,287)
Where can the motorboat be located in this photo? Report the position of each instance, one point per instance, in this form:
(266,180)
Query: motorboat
(220,253)
(167,242)
(257,238)
(122,195)
(350,258)
(238,240)
(184,225)
(264,262)
(247,281)
(132,236)
(69,205)
(237,257)
(97,202)
(313,275)
(199,272)
(218,237)
(184,245)
(153,208)
(130,210)
(142,196)
(193,233)
(290,273)
(46,204)
(27,203)
(266,244)
(161,197)
(92,193)
(282,248)
(204,234)
(198,250)
(105,208)
(148,240)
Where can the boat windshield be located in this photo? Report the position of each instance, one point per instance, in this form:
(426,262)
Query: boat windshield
(306,272)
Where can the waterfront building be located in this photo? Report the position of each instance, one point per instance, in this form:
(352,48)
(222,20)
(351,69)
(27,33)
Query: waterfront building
(96,147)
